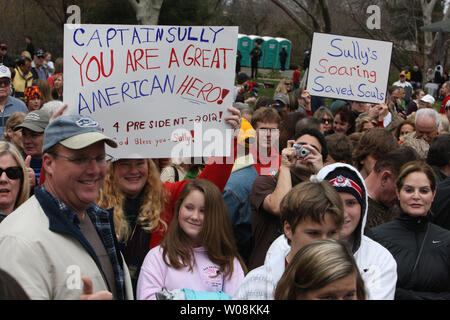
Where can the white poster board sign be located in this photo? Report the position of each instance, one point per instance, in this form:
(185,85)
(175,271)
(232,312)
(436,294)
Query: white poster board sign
(158,91)
(349,68)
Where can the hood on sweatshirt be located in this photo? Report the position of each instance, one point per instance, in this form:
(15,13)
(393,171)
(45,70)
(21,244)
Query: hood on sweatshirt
(345,179)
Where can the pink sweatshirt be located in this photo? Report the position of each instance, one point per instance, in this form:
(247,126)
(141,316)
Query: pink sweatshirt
(155,275)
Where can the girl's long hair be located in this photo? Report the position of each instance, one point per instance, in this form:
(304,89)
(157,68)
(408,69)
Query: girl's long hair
(154,202)
(216,234)
(317,265)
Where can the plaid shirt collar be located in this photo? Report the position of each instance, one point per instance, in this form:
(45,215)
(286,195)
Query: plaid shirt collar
(56,211)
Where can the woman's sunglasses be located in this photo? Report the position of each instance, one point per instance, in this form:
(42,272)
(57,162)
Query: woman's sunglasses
(326,120)
(12,172)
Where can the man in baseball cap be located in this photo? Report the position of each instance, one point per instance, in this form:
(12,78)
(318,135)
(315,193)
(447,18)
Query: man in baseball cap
(4,58)
(8,104)
(61,227)
(33,127)
(38,68)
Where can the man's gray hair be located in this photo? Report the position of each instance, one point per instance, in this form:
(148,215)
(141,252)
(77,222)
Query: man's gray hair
(428,113)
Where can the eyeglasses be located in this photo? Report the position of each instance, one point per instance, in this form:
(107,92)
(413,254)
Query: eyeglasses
(3,48)
(326,120)
(5,83)
(83,162)
(13,173)
(288,83)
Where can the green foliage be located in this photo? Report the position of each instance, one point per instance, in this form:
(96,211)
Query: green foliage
(273,74)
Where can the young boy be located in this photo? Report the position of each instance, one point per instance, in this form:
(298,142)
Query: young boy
(310,211)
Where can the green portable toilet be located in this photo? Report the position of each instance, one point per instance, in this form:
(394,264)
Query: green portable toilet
(270,52)
(282,42)
(245,46)
(253,39)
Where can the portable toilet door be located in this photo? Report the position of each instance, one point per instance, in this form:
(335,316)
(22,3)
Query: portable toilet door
(245,46)
(270,52)
(282,42)
(253,40)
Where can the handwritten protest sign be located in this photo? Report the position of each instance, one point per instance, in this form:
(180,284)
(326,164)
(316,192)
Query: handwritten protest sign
(349,68)
(158,91)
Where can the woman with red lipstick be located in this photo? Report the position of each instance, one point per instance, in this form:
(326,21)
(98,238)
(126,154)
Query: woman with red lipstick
(420,247)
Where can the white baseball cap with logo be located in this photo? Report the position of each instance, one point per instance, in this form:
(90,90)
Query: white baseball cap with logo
(5,72)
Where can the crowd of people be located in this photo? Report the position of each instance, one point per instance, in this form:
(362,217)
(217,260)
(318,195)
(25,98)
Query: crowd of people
(329,200)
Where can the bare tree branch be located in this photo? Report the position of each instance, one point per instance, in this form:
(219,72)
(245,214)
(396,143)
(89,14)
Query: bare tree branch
(307,30)
(325,15)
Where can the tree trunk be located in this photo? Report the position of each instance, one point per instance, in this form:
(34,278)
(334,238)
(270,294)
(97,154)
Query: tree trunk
(427,9)
(147,11)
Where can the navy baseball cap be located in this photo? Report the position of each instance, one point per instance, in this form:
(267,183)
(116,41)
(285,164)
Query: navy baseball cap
(74,132)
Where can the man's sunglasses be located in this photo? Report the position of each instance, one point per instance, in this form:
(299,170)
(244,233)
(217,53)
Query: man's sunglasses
(12,172)
(5,83)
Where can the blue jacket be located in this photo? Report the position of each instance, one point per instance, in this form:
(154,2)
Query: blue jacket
(12,105)
(236,194)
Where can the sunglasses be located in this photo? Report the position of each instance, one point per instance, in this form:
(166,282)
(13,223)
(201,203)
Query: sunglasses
(5,83)
(3,48)
(326,120)
(287,83)
(12,172)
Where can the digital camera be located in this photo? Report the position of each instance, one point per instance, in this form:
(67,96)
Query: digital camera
(301,151)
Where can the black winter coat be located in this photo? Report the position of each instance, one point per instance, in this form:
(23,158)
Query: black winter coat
(419,278)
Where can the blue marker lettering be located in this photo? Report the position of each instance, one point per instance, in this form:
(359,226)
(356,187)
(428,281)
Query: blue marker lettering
(201,36)
(124,92)
(135,35)
(159,34)
(74,35)
(189,35)
(140,88)
(86,106)
(135,89)
(170,33)
(332,44)
(98,100)
(155,80)
(316,82)
(108,38)
(121,34)
(171,87)
(215,33)
(95,38)
(148,34)
(179,34)
(110,95)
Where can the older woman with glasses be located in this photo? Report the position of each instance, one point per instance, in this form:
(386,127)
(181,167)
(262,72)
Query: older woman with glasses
(14,186)
(326,118)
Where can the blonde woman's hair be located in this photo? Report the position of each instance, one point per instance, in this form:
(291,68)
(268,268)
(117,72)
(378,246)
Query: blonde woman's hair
(360,122)
(24,192)
(317,265)
(154,202)
(13,121)
(281,87)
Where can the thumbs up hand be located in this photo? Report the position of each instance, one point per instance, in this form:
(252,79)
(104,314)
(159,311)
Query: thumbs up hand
(30,172)
(88,291)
